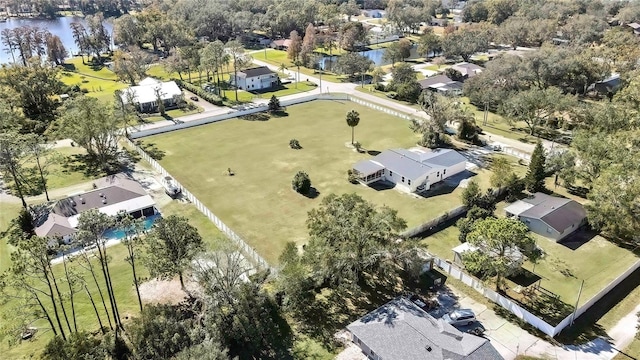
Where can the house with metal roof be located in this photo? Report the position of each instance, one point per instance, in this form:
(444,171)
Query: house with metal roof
(441,84)
(256,78)
(413,170)
(549,216)
(468,70)
(146,94)
(111,195)
(400,330)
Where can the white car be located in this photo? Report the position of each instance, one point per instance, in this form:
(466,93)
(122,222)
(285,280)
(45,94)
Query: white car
(460,317)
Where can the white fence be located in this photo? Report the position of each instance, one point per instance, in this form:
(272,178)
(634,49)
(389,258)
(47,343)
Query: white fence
(551,330)
(244,247)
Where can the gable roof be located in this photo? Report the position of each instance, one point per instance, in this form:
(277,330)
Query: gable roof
(282,42)
(634,25)
(433,80)
(468,69)
(558,213)
(401,330)
(145,91)
(109,190)
(256,71)
(412,163)
(55,225)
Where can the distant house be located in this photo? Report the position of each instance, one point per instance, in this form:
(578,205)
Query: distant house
(441,84)
(257,78)
(110,195)
(401,330)
(145,94)
(549,216)
(281,44)
(468,70)
(374,13)
(607,86)
(635,27)
(413,170)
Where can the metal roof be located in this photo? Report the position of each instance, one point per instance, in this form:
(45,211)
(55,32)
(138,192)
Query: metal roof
(412,163)
(367,167)
(257,71)
(401,330)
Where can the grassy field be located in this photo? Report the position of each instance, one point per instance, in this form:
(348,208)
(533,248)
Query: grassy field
(264,165)
(279,57)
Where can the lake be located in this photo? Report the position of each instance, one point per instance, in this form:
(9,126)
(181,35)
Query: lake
(58,26)
(375,55)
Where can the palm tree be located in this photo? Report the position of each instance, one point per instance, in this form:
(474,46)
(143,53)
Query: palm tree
(353,118)
(283,67)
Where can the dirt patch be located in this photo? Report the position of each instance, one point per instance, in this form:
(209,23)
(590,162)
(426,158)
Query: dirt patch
(162,291)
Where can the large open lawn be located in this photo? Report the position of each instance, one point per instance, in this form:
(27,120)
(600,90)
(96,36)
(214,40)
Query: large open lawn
(258,201)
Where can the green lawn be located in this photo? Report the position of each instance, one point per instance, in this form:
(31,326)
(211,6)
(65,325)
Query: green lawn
(258,202)
(173,113)
(99,82)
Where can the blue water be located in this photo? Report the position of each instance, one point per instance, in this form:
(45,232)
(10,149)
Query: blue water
(117,234)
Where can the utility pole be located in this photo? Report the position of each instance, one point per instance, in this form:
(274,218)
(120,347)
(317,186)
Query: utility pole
(575,309)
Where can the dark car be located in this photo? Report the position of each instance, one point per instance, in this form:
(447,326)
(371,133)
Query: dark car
(194,98)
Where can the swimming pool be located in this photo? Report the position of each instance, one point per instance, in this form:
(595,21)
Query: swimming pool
(117,234)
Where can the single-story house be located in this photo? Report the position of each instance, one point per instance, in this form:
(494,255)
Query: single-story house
(257,78)
(281,44)
(635,27)
(549,216)
(374,13)
(413,170)
(400,330)
(442,84)
(607,86)
(145,94)
(468,70)
(110,195)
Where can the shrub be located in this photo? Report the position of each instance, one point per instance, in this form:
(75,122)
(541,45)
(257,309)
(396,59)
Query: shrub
(379,87)
(274,104)
(352,176)
(295,144)
(207,96)
(358,146)
(301,183)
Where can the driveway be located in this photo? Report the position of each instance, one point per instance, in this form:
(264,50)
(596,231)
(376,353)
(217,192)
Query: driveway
(205,105)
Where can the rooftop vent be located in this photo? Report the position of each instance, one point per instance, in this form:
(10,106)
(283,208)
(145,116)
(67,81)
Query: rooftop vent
(104,201)
(82,201)
(428,348)
(101,195)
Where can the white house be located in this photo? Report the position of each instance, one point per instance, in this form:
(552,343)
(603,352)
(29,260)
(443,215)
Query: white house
(257,78)
(549,216)
(413,170)
(110,195)
(145,94)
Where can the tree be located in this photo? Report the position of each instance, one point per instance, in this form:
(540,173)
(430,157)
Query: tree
(79,345)
(501,170)
(133,228)
(378,75)
(534,180)
(535,107)
(308,45)
(502,243)
(213,57)
(301,183)
(92,225)
(471,194)
(56,52)
(353,119)
(295,47)
(171,246)
(350,236)
(13,156)
(465,42)
(92,125)
(429,42)
(132,65)
(43,157)
(562,165)
(352,35)
(353,63)
(274,104)
(127,31)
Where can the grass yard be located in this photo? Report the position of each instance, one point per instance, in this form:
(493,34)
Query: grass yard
(279,57)
(173,114)
(258,201)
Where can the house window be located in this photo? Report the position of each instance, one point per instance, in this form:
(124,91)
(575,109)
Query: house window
(409,182)
(403,179)
(444,171)
(438,174)
(549,230)
(390,173)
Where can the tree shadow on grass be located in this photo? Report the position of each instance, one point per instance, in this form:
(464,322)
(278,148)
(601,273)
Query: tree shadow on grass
(151,149)
(312,193)
(91,167)
(373,152)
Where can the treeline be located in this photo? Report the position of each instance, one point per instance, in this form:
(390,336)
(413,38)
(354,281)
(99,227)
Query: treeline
(50,8)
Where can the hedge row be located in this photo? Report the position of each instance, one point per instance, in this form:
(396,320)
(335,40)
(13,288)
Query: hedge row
(205,95)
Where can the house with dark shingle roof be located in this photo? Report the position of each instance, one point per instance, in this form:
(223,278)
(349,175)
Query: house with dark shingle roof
(400,330)
(549,216)
(111,194)
(413,170)
(256,78)
(441,84)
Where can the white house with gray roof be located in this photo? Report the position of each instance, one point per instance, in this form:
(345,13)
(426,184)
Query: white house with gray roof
(549,216)
(400,330)
(412,170)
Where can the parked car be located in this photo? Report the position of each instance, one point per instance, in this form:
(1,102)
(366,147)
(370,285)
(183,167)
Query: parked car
(460,317)
(194,98)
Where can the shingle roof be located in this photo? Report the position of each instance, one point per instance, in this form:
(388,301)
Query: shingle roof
(55,225)
(558,213)
(469,69)
(257,71)
(433,80)
(412,163)
(401,330)
(109,190)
